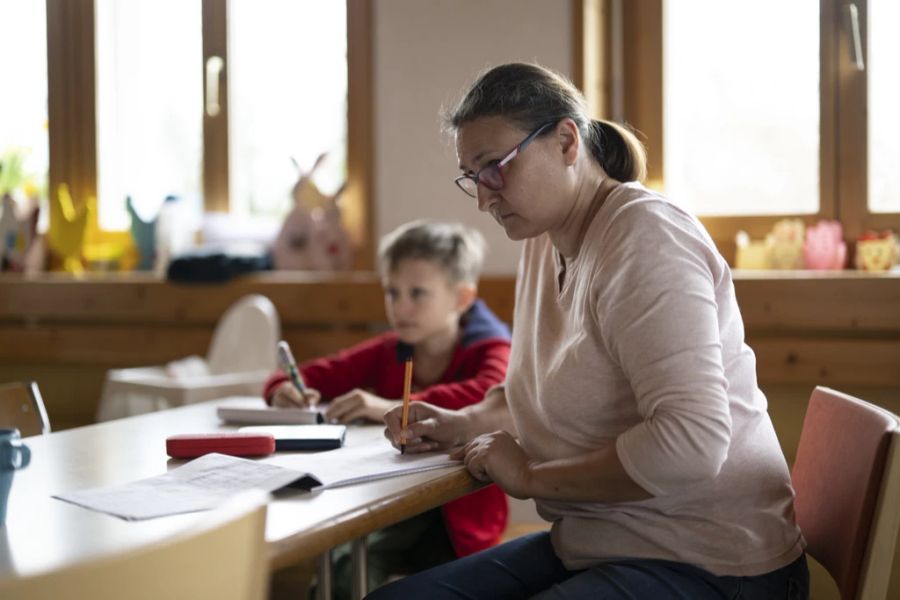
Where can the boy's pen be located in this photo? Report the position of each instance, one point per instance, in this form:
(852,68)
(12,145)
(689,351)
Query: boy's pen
(407,384)
(286,358)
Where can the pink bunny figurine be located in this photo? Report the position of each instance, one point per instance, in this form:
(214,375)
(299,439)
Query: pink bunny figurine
(312,235)
(824,249)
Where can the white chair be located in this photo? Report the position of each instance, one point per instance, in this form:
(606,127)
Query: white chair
(242,354)
(223,556)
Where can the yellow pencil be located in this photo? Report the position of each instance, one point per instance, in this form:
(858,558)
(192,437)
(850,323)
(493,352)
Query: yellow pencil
(407,385)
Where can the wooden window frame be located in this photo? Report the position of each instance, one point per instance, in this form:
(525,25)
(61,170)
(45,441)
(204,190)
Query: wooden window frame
(638,80)
(71,74)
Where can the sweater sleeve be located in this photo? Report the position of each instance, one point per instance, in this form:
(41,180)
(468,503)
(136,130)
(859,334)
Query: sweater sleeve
(272,384)
(483,365)
(658,312)
(338,373)
(354,367)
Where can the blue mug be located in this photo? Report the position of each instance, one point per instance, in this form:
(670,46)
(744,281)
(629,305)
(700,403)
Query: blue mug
(13,455)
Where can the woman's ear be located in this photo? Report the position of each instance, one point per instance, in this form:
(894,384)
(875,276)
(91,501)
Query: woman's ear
(466,293)
(569,140)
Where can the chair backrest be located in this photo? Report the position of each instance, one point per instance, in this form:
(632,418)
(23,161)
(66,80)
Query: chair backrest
(22,407)
(223,557)
(847,480)
(245,337)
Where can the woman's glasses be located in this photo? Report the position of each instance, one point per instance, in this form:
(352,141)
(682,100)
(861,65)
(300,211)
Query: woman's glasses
(491,176)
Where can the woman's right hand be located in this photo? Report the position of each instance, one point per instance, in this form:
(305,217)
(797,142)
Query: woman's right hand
(288,396)
(429,427)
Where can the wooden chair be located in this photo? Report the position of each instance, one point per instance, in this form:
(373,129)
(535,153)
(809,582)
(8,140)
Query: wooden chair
(847,479)
(22,407)
(223,557)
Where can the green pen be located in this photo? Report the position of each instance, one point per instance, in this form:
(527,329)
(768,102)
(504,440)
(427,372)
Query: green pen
(286,358)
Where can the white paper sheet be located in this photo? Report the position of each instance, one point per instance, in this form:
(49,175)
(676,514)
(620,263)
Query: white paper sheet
(206,482)
(201,484)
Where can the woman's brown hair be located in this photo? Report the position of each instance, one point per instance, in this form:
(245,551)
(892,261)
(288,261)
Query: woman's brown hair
(530,95)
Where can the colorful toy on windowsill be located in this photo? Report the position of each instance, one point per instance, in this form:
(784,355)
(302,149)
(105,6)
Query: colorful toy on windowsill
(65,237)
(104,249)
(19,243)
(143,232)
(824,249)
(312,236)
(750,254)
(785,244)
(877,252)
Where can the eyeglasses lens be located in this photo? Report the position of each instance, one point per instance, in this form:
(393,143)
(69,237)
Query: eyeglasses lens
(491,177)
(468,186)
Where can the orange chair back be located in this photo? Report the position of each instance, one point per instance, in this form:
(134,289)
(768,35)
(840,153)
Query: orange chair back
(841,475)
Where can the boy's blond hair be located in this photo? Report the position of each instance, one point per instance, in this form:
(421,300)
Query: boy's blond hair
(457,249)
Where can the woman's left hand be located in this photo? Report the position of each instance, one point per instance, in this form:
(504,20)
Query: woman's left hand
(498,457)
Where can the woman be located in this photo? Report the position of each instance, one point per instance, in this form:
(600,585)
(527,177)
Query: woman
(630,411)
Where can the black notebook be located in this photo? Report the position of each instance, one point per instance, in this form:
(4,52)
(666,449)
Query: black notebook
(303,437)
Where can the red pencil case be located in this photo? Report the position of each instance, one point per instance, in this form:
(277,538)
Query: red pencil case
(192,445)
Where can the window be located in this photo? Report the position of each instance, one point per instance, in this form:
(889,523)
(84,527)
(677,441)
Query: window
(149,99)
(740,118)
(756,111)
(287,100)
(24,147)
(227,92)
(884,100)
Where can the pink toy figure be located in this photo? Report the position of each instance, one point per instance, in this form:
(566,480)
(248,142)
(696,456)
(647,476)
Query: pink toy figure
(312,236)
(824,249)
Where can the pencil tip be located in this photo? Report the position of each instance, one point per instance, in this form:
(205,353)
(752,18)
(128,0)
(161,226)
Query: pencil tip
(402,449)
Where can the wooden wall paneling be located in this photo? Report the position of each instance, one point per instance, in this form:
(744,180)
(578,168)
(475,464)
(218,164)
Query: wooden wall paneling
(833,362)
(840,329)
(851,303)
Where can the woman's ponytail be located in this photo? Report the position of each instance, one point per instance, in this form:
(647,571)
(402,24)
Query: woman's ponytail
(618,151)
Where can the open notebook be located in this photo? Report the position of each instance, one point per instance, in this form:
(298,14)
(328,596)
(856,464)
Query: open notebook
(206,482)
(359,464)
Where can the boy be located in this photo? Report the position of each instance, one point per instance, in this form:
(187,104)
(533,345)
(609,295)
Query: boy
(460,349)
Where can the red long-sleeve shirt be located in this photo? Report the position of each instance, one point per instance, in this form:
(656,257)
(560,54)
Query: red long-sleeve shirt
(476,521)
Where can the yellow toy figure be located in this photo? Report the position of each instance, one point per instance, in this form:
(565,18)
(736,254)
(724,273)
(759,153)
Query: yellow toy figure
(103,248)
(876,252)
(785,244)
(750,254)
(65,236)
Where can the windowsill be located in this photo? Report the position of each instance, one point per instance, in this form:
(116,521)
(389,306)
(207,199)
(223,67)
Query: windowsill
(357,276)
(806,274)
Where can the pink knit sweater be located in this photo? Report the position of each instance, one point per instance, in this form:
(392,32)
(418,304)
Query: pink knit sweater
(644,347)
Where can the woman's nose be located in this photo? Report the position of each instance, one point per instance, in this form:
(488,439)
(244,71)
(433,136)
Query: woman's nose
(486,197)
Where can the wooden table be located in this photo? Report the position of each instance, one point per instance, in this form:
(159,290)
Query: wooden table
(43,533)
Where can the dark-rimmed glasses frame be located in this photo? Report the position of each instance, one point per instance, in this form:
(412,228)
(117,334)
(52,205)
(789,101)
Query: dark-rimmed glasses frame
(491,176)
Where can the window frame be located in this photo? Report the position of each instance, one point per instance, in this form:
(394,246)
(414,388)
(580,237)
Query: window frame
(632,35)
(71,74)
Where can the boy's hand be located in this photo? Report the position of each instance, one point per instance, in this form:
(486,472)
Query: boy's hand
(429,427)
(358,404)
(287,396)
